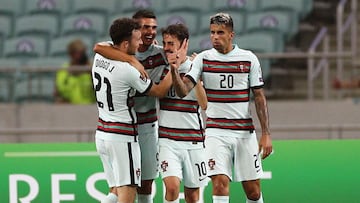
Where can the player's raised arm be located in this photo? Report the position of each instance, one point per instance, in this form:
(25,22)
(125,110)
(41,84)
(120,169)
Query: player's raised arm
(182,86)
(201,95)
(111,52)
(265,143)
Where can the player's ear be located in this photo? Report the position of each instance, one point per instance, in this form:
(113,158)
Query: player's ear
(126,44)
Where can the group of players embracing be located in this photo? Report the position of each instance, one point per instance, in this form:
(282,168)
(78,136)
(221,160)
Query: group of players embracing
(150,100)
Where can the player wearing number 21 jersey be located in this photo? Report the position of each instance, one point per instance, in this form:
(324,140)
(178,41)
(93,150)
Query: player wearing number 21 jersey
(116,84)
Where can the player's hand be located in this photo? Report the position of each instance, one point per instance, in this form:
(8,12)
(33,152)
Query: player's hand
(140,68)
(182,52)
(193,55)
(265,146)
(173,59)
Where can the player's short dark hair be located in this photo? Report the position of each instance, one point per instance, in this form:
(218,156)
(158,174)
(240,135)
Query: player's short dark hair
(121,29)
(180,31)
(144,13)
(222,19)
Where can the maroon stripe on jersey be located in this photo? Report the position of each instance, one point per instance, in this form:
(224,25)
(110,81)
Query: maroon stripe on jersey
(226,63)
(154,61)
(181,105)
(181,134)
(227,96)
(146,117)
(117,127)
(226,67)
(230,124)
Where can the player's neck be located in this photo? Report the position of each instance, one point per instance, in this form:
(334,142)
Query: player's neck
(143,48)
(226,50)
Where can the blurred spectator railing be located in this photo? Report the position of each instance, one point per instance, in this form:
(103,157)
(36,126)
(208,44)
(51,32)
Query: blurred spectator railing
(341,28)
(322,65)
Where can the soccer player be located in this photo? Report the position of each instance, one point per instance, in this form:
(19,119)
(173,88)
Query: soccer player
(115,84)
(181,137)
(229,73)
(152,58)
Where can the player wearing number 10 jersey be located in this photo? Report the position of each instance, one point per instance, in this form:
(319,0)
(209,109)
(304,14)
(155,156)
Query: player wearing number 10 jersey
(181,132)
(115,84)
(229,73)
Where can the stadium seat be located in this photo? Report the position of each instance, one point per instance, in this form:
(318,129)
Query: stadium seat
(133,5)
(176,5)
(104,7)
(189,18)
(6,26)
(11,8)
(237,16)
(260,41)
(26,46)
(111,18)
(38,24)
(284,21)
(87,24)
(237,5)
(58,46)
(57,7)
(6,86)
(35,87)
(301,7)
(199,43)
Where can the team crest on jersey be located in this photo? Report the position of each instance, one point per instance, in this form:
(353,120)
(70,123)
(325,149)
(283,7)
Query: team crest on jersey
(138,173)
(241,67)
(164,165)
(211,164)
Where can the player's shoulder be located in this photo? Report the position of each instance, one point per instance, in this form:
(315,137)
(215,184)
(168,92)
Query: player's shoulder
(245,52)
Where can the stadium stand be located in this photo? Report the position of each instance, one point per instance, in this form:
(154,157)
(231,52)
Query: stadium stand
(6,26)
(196,6)
(36,32)
(11,8)
(103,7)
(236,5)
(85,24)
(159,6)
(44,25)
(58,46)
(25,47)
(189,18)
(283,21)
(54,7)
(301,7)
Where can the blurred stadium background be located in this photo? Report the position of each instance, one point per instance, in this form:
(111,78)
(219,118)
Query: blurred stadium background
(303,45)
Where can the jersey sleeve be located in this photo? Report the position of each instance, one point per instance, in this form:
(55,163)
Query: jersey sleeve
(255,76)
(196,69)
(137,81)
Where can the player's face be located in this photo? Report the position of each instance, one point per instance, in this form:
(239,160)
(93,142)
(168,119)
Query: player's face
(134,42)
(221,37)
(148,30)
(170,43)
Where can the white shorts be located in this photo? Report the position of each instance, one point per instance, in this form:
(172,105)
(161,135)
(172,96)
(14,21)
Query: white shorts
(149,147)
(189,165)
(121,162)
(225,153)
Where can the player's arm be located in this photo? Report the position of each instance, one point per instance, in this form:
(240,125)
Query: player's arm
(160,90)
(201,95)
(265,143)
(110,52)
